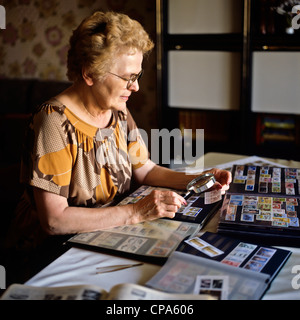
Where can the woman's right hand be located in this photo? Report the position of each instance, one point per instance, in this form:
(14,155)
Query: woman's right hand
(158,204)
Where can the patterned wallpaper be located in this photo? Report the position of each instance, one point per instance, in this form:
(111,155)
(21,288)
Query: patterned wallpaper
(35,41)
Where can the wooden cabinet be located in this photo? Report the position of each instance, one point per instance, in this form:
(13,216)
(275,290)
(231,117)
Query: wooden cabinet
(230,68)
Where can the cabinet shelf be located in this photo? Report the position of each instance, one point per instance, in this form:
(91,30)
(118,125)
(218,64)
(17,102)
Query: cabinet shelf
(283,42)
(238,128)
(226,42)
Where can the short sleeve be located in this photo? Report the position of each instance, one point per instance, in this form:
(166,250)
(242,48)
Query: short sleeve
(53,152)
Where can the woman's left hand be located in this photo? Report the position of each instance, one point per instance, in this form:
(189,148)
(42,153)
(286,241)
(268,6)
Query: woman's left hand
(223,179)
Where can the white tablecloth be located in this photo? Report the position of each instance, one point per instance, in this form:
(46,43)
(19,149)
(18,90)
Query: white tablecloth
(78,266)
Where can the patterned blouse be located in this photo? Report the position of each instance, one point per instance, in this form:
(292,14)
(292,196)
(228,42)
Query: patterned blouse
(87,165)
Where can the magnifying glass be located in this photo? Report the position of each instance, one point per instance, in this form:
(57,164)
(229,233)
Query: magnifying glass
(200,184)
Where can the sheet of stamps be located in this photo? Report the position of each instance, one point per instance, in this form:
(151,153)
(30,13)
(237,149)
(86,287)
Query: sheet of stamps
(239,254)
(212,196)
(260,259)
(193,211)
(156,238)
(264,196)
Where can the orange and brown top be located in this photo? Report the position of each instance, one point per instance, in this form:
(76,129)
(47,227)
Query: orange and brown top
(76,160)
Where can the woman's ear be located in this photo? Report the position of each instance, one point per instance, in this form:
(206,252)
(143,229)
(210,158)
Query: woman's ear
(87,77)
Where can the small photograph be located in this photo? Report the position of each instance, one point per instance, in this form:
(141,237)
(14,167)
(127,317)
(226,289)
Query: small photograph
(292,201)
(289,185)
(276,184)
(249,187)
(204,247)
(247,217)
(290,207)
(279,215)
(251,182)
(264,206)
(197,242)
(266,213)
(290,191)
(110,241)
(262,217)
(230,217)
(250,199)
(159,252)
(181,210)
(231,209)
(132,244)
(137,193)
(193,198)
(239,170)
(276,189)
(250,211)
(280,211)
(217,286)
(266,252)
(276,206)
(265,179)
(291,214)
(236,200)
(238,180)
(250,207)
(263,187)
(280,223)
(231,262)
(254,265)
(264,170)
(212,251)
(212,196)
(294,222)
(260,259)
(205,283)
(251,177)
(265,200)
(192,211)
(250,202)
(85,237)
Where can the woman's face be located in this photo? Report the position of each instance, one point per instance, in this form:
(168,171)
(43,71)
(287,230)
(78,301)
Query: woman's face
(112,92)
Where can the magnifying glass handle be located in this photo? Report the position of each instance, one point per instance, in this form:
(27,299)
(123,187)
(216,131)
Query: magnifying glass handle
(188,194)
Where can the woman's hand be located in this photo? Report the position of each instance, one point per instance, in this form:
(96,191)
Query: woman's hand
(223,179)
(158,204)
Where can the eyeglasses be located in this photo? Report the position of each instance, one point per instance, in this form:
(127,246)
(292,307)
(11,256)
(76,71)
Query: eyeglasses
(131,80)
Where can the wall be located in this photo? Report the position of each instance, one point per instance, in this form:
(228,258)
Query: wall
(35,43)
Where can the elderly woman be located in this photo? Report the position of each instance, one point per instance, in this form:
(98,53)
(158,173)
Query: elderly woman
(79,157)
